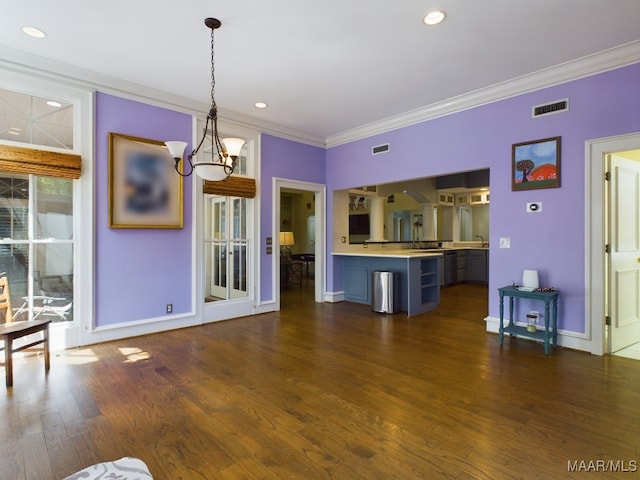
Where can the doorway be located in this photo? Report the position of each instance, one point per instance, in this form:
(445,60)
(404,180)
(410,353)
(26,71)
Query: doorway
(612,311)
(313,231)
(623,267)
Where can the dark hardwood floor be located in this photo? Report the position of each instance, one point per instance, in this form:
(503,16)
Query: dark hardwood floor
(326,391)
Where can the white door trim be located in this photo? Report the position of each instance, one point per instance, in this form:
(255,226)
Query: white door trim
(595,239)
(320,191)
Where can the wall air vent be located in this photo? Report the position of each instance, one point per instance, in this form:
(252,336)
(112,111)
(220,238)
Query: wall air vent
(380,149)
(550,108)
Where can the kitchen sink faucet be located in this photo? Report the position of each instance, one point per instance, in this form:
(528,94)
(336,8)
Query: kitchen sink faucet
(482,239)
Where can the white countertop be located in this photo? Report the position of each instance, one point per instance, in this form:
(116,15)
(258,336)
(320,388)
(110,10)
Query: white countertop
(393,253)
(404,253)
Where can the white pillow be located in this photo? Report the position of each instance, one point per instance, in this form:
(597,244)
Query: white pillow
(127,468)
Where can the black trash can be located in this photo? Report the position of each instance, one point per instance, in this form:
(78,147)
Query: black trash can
(384,292)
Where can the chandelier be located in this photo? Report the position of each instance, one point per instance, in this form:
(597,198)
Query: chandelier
(224,153)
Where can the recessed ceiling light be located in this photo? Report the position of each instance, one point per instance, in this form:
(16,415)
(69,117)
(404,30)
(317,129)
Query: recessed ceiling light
(33,32)
(435,17)
(260,105)
(14,131)
(53,103)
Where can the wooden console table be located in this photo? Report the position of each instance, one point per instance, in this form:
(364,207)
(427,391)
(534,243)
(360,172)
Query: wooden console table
(550,299)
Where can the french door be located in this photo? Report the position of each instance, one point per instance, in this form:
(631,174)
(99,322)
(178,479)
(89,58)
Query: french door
(226,248)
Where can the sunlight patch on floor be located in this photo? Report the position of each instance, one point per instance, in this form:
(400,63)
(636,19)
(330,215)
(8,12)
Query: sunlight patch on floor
(79,356)
(134,354)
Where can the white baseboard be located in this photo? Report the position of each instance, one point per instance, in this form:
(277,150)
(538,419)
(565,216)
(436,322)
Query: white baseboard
(575,341)
(265,307)
(334,297)
(137,328)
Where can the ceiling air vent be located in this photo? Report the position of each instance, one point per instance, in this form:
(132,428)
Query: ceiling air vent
(550,108)
(380,149)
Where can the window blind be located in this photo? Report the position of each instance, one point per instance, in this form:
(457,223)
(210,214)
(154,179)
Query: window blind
(39,162)
(244,187)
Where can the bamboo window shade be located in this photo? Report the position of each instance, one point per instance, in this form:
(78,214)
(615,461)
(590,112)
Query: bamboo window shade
(244,187)
(40,162)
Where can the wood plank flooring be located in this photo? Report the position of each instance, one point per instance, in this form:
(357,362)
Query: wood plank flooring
(326,391)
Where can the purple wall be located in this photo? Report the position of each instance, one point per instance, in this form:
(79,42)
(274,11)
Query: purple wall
(288,160)
(138,271)
(552,241)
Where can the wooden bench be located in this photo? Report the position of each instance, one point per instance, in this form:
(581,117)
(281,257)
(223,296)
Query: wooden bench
(11,331)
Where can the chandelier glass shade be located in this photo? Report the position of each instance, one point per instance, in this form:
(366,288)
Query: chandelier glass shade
(221,155)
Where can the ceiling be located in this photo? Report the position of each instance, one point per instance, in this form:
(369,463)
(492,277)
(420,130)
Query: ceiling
(324,67)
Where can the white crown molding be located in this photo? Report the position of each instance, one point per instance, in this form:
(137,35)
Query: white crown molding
(234,118)
(50,70)
(47,69)
(606,60)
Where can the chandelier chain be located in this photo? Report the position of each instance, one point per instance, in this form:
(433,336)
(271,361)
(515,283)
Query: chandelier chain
(213,76)
(222,161)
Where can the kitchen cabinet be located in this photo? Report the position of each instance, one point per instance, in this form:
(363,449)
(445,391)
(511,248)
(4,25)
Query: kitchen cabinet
(461,266)
(450,276)
(477,266)
(356,281)
(418,282)
(424,285)
(446,198)
(479,198)
(462,199)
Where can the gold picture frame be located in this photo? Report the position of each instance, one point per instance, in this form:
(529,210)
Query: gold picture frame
(144,189)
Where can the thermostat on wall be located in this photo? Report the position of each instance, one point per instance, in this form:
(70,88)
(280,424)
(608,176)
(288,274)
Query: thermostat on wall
(534,207)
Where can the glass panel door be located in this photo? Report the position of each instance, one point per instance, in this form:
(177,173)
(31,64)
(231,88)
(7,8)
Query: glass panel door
(225,248)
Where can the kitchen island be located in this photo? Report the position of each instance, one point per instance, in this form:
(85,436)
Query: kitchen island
(418,273)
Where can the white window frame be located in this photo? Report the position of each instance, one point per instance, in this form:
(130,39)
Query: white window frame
(68,334)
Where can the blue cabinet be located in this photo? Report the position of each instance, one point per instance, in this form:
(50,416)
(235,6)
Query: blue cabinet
(356,281)
(477,269)
(419,280)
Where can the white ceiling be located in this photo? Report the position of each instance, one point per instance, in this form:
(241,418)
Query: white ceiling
(325,66)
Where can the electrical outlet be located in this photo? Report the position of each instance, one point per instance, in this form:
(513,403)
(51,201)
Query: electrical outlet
(169,307)
(505,242)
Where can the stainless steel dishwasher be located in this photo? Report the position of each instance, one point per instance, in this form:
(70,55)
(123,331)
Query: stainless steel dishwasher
(450,267)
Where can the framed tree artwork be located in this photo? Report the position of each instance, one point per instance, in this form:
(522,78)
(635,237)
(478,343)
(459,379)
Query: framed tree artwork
(144,189)
(536,164)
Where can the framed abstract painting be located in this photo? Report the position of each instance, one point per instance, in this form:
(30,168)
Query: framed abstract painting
(144,189)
